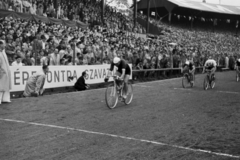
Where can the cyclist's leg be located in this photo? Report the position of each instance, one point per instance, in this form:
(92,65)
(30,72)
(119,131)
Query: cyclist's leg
(192,75)
(185,70)
(213,70)
(118,74)
(125,87)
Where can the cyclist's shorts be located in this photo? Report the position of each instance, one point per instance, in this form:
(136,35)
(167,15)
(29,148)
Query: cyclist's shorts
(209,67)
(128,70)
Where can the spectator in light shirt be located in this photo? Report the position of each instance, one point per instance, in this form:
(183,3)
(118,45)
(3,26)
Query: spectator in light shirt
(17,62)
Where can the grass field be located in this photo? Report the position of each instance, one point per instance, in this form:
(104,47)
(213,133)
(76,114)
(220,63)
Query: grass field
(164,122)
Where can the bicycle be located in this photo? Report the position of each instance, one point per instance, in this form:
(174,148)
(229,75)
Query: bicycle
(187,79)
(209,81)
(115,91)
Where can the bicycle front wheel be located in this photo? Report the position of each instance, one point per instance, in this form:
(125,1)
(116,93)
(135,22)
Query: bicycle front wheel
(205,83)
(111,96)
(129,98)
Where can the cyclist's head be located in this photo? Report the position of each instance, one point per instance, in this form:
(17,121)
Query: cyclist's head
(187,62)
(116,60)
(210,57)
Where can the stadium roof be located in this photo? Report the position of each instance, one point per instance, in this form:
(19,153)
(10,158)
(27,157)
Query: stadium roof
(206,7)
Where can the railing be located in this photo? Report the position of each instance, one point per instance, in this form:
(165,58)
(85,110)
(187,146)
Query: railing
(164,73)
(137,75)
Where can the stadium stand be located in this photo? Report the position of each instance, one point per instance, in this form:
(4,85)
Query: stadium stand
(37,42)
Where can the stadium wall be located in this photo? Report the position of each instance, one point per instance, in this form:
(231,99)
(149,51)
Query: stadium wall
(58,75)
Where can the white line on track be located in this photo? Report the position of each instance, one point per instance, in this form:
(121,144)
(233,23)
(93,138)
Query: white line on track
(182,88)
(140,85)
(122,137)
(229,92)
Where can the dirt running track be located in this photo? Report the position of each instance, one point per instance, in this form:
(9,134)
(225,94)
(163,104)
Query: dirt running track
(164,122)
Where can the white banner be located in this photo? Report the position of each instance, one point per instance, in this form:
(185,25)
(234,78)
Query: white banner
(58,75)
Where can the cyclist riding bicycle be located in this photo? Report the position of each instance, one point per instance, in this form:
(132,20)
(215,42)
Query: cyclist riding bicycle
(211,65)
(189,68)
(123,72)
(238,65)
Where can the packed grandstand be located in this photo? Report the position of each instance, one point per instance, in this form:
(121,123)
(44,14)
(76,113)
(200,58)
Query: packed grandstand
(72,34)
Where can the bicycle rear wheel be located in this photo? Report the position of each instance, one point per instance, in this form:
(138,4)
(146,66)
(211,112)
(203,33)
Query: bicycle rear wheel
(129,98)
(185,81)
(206,83)
(111,96)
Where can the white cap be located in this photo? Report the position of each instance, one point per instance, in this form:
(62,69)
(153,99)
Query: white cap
(116,60)
(187,63)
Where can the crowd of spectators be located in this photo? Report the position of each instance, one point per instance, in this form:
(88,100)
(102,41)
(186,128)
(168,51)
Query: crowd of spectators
(35,43)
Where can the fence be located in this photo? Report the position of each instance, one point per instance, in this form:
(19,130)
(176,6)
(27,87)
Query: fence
(97,81)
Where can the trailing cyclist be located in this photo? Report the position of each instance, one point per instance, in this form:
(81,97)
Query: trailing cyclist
(189,68)
(210,65)
(237,66)
(123,72)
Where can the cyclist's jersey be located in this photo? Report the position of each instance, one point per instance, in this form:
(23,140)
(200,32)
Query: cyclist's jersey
(122,65)
(238,62)
(189,64)
(209,64)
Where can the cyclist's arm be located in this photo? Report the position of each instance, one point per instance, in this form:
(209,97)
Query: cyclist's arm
(193,68)
(204,69)
(110,70)
(123,74)
(214,66)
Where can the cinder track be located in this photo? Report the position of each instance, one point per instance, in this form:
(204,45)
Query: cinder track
(164,121)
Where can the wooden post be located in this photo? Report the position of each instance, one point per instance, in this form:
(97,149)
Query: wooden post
(74,53)
(103,9)
(135,14)
(148,10)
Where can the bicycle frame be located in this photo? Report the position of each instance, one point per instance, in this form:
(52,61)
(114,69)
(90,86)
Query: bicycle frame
(189,76)
(119,87)
(208,75)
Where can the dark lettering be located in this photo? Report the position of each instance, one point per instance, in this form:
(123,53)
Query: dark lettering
(91,76)
(16,78)
(95,74)
(33,72)
(87,76)
(63,75)
(75,74)
(104,73)
(24,78)
(69,74)
(49,77)
(100,74)
(56,76)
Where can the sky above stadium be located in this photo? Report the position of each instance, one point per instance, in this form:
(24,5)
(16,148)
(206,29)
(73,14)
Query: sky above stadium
(223,2)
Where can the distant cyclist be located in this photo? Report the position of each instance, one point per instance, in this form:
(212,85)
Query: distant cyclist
(238,65)
(123,72)
(189,68)
(211,65)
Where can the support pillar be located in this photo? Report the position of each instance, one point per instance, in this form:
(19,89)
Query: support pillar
(135,14)
(148,10)
(170,17)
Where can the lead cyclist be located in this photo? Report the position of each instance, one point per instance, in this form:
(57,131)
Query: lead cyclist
(123,72)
